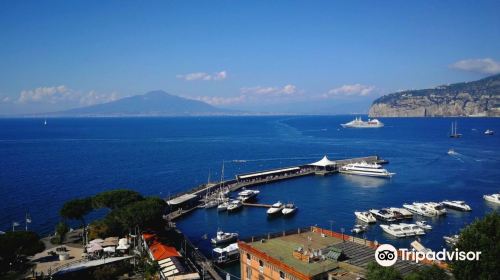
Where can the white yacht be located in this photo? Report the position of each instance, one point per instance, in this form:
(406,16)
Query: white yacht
(275,208)
(489,132)
(412,229)
(234,205)
(211,204)
(495,198)
(424,225)
(224,237)
(289,209)
(223,206)
(436,207)
(247,195)
(227,254)
(365,216)
(456,205)
(419,209)
(383,215)
(401,212)
(365,169)
(359,123)
(452,152)
(359,228)
(394,230)
(451,240)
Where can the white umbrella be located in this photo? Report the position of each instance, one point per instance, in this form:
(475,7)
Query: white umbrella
(97,240)
(109,249)
(123,241)
(123,247)
(94,247)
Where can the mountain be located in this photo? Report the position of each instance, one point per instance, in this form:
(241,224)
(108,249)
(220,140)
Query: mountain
(154,103)
(478,98)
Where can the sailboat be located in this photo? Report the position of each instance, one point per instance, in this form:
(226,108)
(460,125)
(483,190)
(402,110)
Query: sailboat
(454,133)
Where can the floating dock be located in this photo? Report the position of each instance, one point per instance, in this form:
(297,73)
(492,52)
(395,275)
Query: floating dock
(184,203)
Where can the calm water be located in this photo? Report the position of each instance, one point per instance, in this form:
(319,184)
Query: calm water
(42,166)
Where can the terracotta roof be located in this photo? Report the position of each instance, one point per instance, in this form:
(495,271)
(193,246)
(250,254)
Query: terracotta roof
(161,251)
(148,236)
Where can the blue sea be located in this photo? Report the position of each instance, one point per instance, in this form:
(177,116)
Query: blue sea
(43,166)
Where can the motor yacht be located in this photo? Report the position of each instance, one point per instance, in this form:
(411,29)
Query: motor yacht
(234,206)
(365,169)
(423,225)
(402,230)
(383,215)
(456,205)
(248,195)
(211,204)
(438,208)
(223,206)
(495,198)
(489,132)
(275,208)
(419,209)
(224,237)
(365,216)
(412,229)
(359,228)
(451,240)
(359,123)
(401,212)
(289,209)
(227,254)
(394,230)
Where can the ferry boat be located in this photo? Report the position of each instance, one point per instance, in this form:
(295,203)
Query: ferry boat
(489,132)
(359,123)
(401,212)
(275,208)
(383,215)
(424,225)
(289,209)
(234,206)
(224,237)
(227,254)
(359,228)
(365,169)
(495,198)
(419,209)
(456,205)
(365,216)
(248,195)
(438,208)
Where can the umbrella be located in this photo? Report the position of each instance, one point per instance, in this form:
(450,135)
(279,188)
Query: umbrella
(97,240)
(94,247)
(123,247)
(109,249)
(123,241)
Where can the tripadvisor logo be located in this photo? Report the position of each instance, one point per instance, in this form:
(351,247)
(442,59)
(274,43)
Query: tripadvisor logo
(387,255)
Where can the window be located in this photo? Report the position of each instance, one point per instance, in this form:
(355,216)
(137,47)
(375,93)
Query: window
(261,277)
(261,266)
(282,275)
(249,259)
(249,272)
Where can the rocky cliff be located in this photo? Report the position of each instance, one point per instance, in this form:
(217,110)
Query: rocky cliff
(478,98)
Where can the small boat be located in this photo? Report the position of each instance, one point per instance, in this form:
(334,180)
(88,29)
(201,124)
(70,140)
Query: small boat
(248,195)
(401,212)
(210,204)
(489,132)
(227,254)
(454,133)
(495,198)
(452,152)
(359,228)
(365,216)
(224,237)
(234,206)
(383,215)
(456,205)
(451,240)
(423,225)
(223,206)
(275,208)
(289,209)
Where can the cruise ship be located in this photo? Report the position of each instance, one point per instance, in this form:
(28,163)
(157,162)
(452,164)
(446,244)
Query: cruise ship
(359,123)
(365,169)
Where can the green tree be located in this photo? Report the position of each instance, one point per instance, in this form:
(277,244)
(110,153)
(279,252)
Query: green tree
(18,243)
(482,235)
(115,199)
(61,230)
(76,209)
(428,272)
(377,272)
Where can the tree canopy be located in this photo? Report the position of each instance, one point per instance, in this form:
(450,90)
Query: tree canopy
(16,243)
(377,272)
(428,272)
(115,199)
(76,209)
(482,235)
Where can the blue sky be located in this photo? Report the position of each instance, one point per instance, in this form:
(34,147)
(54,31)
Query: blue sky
(305,56)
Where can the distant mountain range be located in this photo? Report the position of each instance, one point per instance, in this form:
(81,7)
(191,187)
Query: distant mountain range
(478,98)
(154,103)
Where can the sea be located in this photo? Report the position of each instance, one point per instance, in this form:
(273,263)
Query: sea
(42,166)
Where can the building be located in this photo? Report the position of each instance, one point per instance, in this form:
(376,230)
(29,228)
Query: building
(309,254)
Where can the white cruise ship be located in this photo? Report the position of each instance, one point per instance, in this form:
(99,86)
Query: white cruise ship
(365,169)
(359,123)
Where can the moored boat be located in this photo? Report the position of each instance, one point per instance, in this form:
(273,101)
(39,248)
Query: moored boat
(401,212)
(451,240)
(495,198)
(383,215)
(438,208)
(365,169)
(275,209)
(248,195)
(423,225)
(224,237)
(289,209)
(419,209)
(359,228)
(365,216)
(234,206)
(227,254)
(456,205)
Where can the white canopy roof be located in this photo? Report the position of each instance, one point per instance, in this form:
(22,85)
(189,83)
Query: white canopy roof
(323,162)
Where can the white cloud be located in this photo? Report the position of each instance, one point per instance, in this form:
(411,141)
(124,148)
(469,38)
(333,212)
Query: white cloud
(479,65)
(203,76)
(219,100)
(288,89)
(350,90)
(63,95)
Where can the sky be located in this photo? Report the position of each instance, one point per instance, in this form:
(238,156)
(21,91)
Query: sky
(282,56)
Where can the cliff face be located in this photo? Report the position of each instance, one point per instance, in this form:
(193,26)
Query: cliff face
(478,98)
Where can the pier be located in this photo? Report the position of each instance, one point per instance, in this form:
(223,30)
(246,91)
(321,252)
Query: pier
(186,202)
(257,205)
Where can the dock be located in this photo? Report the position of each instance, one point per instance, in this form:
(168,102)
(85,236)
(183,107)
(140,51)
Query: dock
(185,202)
(257,205)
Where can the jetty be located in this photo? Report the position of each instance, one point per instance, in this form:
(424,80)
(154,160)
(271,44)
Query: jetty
(186,202)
